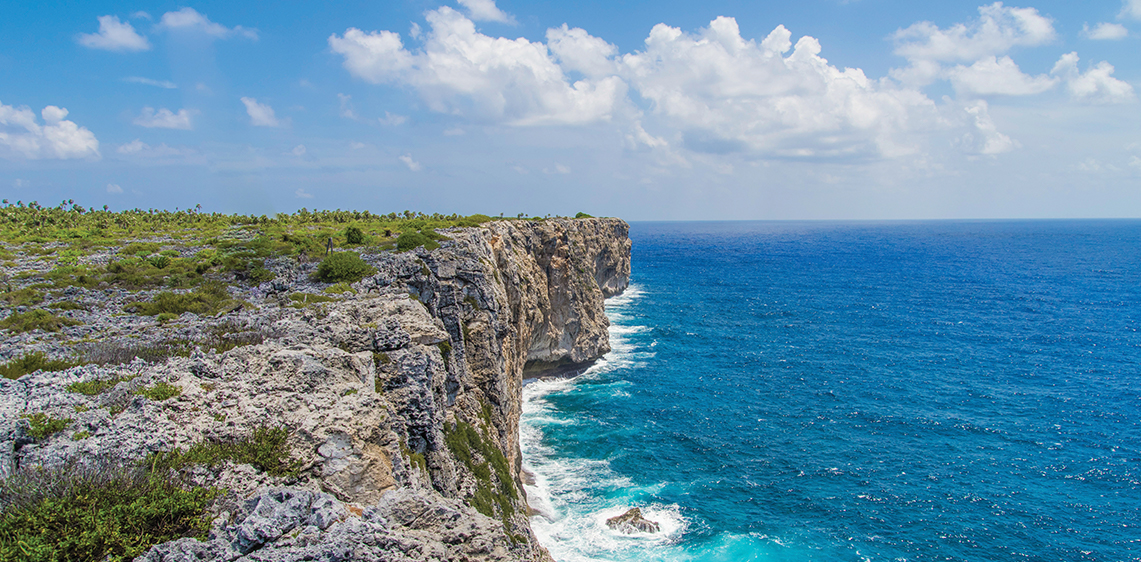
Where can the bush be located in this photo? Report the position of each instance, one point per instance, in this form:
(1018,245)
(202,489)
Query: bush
(583,216)
(208,299)
(343,266)
(102,513)
(159,261)
(267,450)
(160,391)
(32,362)
(36,319)
(409,240)
(354,235)
(41,425)
(22,297)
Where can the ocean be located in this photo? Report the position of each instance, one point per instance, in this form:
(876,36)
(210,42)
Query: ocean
(937,390)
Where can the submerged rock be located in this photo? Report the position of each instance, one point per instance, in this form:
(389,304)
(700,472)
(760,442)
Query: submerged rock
(632,522)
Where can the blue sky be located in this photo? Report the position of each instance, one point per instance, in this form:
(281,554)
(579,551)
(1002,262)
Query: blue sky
(820,109)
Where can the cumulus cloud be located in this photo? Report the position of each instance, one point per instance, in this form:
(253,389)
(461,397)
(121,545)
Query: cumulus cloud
(464,72)
(166,84)
(1105,32)
(1130,9)
(412,164)
(114,35)
(486,10)
(1096,85)
(164,119)
(299,150)
(261,115)
(189,19)
(23,137)
(998,29)
(997,76)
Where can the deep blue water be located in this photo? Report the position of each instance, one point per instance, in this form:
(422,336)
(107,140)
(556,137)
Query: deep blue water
(856,391)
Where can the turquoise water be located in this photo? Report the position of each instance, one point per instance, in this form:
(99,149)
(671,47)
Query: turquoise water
(855,391)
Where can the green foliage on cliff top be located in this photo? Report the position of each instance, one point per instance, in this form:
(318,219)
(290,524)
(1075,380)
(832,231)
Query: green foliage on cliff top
(208,299)
(32,362)
(95,514)
(343,267)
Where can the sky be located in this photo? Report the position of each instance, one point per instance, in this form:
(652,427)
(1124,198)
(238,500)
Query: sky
(664,110)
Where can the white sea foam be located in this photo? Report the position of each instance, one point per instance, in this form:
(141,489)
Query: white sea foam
(573,497)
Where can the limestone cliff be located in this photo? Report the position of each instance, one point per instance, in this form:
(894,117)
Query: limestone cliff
(402,401)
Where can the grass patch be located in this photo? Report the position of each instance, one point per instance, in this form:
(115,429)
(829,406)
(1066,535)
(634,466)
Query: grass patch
(343,266)
(32,362)
(41,425)
(36,320)
(67,305)
(208,299)
(102,513)
(95,387)
(267,450)
(160,391)
(22,297)
(301,300)
(339,288)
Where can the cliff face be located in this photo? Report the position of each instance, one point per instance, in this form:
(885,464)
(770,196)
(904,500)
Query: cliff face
(402,403)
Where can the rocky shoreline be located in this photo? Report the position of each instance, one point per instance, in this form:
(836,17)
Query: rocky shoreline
(399,399)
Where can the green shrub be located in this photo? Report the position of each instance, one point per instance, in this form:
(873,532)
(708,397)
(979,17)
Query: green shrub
(95,514)
(41,425)
(339,288)
(343,266)
(32,362)
(159,261)
(583,216)
(409,240)
(465,441)
(267,450)
(36,319)
(92,388)
(22,297)
(300,300)
(160,391)
(208,299)
(354,235)
(67,305)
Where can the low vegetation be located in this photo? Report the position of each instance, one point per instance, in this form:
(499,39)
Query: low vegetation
(267,449)
(347,267)
(483,459)
(210,298)
(41,425)
(32,362)
(160,391)
(96,513)
(37,319)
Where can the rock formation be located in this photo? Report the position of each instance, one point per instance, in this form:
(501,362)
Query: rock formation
(401,402)
(632,522)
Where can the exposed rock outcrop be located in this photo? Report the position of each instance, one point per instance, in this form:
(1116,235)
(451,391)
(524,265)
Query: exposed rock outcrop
(632,522)
(402,402)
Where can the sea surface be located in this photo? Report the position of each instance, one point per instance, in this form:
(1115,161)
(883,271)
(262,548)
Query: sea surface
(855,391)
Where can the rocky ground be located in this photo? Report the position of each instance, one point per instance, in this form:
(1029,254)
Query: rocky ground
(400,399)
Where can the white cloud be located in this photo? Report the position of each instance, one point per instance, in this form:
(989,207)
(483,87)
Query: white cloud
(1096,85)
(114,188)
(299,150)
(412,164)
(558,169)
(164,119)
(576,50)
(486,10)
(301,193)
(355,145)
(997,30)
(463,72)
(985,138)
(166,84)
(997,76)
(22,137)
(132,147)
(140,149)
(142,15)
(346,107)
(454,132)
(261,115)
(190,19)
(392,119)
(1130,9)
(1105,32)
(114,35)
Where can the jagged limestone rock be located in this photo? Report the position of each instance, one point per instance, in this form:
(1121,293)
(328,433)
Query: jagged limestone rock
(632,522)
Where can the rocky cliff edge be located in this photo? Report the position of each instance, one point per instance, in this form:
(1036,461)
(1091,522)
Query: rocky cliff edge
(401,401)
